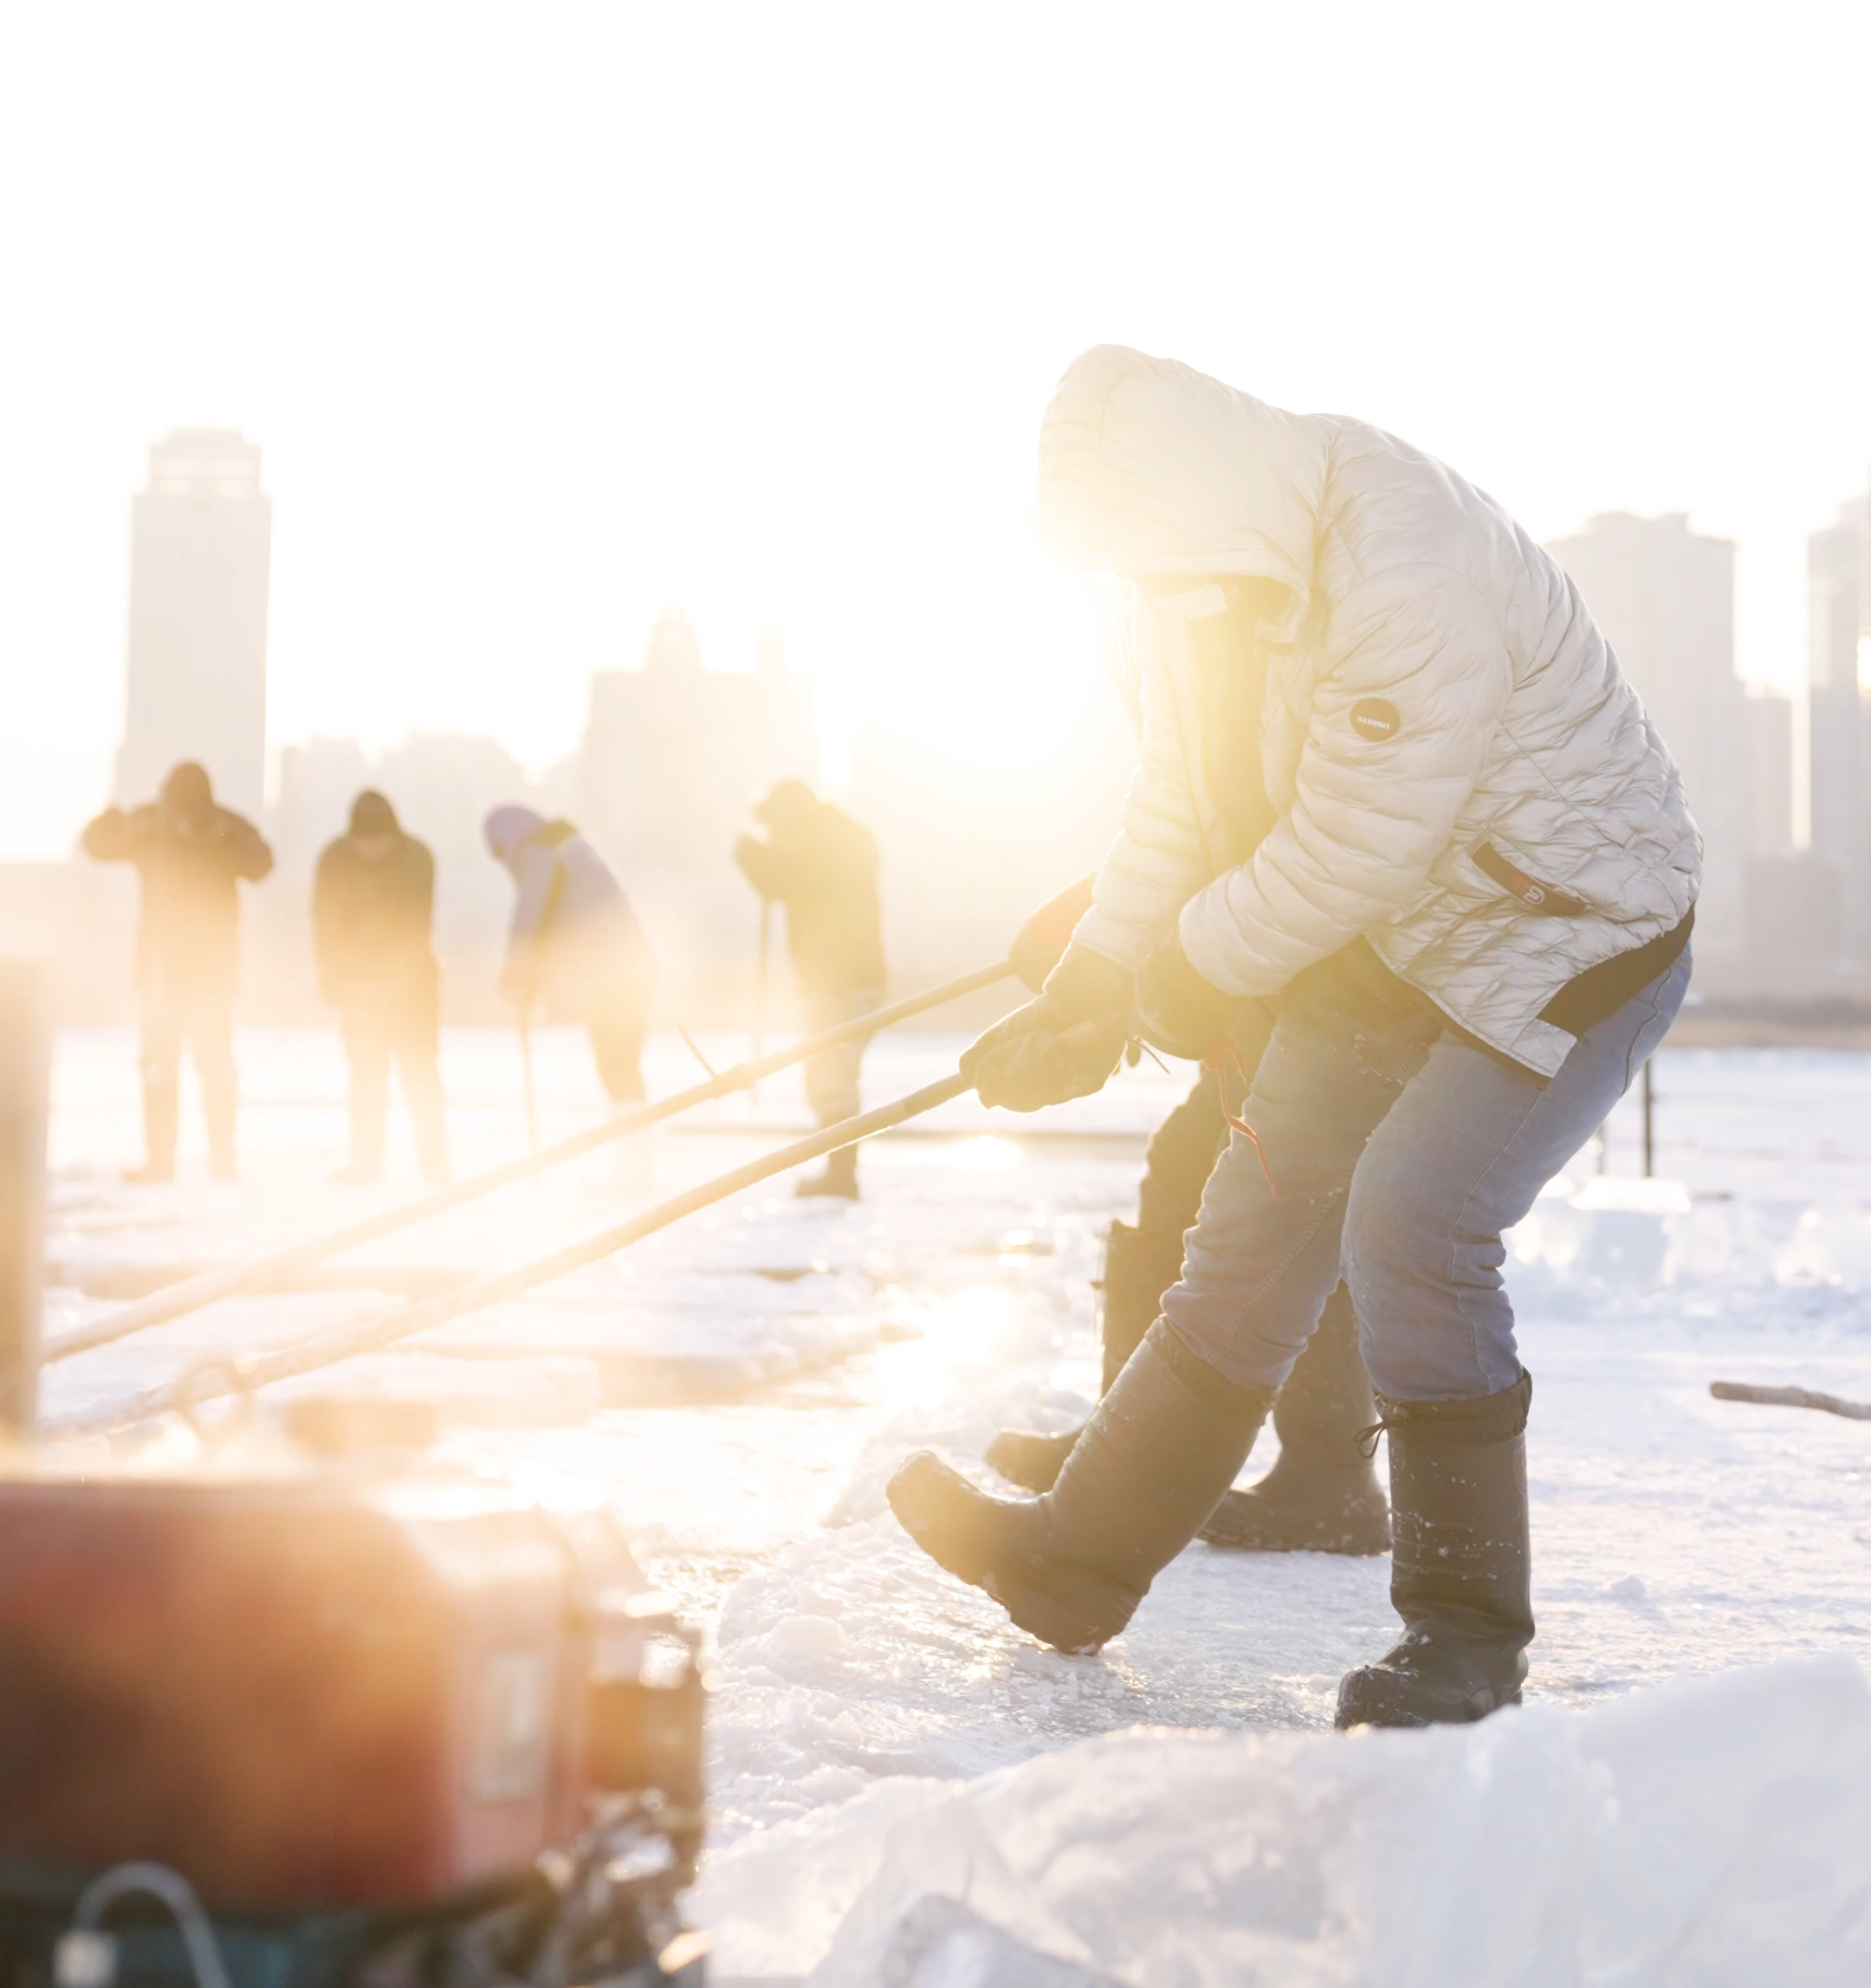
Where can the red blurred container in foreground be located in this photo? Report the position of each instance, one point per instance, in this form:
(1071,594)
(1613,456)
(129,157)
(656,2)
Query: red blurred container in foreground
(305,1689)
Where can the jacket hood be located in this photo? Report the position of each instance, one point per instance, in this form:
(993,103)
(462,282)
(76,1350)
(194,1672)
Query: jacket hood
(1149,468)
(371,815)
(506,828)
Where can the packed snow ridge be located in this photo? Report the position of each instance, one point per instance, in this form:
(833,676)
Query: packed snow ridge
(1712,1831)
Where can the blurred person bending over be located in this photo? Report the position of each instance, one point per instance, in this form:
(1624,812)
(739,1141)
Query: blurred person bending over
(1395,784)
(1321,1494)
(191,856)
(823,867)
(574,943)
(373,915)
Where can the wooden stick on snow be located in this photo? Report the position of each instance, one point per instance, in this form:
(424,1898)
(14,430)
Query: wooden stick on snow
(1791,1398)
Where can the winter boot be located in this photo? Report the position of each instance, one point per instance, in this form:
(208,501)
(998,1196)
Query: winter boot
(840,1178)
(1321,1495)
(1138,1268)
(1458,1575)
(1071,1567)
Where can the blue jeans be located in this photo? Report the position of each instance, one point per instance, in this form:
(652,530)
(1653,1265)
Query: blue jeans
(1398,1149)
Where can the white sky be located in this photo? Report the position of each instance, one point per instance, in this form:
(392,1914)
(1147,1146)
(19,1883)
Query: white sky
(546,315)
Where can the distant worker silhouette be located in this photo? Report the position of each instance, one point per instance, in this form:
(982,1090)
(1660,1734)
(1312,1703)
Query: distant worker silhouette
(574,943)
(823,867)
(373,915)
(190,856)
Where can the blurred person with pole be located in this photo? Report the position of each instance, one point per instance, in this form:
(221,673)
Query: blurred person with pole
(575,944)
(1322,1493)
(822,866)
(190,856)
(1395,784)
(372,916)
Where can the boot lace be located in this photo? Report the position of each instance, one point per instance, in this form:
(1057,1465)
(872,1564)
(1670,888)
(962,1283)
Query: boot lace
(1366,1439)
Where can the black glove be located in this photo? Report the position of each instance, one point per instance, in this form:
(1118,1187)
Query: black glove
(1179,1012)
(754,859)
(1064,1044)
(1041,943)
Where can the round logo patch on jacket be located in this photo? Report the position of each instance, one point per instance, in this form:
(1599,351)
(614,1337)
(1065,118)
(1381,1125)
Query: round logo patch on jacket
(1375,718)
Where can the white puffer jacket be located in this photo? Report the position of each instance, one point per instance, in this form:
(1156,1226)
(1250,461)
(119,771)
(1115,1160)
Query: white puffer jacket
(1439,701)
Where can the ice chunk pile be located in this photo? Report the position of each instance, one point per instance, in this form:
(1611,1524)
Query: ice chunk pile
(1703,1834)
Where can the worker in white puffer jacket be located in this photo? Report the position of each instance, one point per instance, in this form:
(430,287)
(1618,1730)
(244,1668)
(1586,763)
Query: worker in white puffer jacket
(1394,783)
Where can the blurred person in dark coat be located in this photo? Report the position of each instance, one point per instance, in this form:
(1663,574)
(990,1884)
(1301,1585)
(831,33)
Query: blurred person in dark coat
(190,856)
(822,865)
(373,915)
(574,942)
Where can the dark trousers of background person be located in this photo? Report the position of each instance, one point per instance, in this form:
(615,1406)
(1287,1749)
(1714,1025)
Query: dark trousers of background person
(616,1022)
(831,1086)
(409,1032)
(203,1022)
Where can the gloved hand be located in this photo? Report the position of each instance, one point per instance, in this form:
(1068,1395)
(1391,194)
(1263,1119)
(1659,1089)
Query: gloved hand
(1063,1045)
(1177,1010)
(754,860)
(1041,943)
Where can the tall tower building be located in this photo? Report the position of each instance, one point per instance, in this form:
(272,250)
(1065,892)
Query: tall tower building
(1664,598)
(675,753)
(1838,677)
(200,556)
(1767,773)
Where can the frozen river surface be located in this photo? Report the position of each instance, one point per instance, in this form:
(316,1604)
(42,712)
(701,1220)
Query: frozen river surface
(896,1792)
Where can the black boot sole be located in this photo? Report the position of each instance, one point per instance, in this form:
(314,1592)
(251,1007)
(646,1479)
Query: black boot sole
(1376,1695)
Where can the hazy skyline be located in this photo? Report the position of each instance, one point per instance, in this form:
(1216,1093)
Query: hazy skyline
(544,320)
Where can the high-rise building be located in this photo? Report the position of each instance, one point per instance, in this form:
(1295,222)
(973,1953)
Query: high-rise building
(1838,680)
(1664,597)
(674,755)
(200,555)
(964,864)
(1791,895)
(1766,773)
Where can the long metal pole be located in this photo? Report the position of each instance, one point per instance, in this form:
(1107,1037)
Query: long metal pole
(215,1377)
(25,1053)
(526,1080)
(196,1291)
(760,970)
(1649,1122)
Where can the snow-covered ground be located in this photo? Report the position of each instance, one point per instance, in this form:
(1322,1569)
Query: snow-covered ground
(740,1387)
